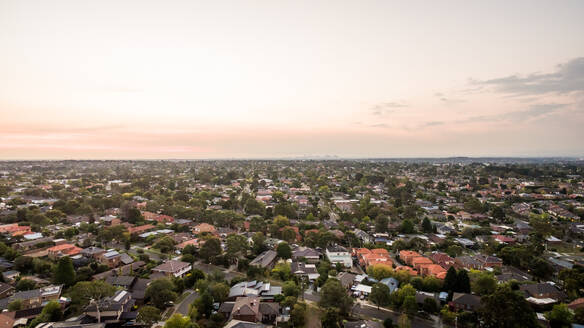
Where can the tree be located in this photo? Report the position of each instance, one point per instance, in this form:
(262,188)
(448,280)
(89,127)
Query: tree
(381,223)
(430,305)
(64,272)
(379,295)
(204,305)
(160,292)
(15,305)
(25,284)
(403,321)
(82,292)
(282,270)
(178,321)
(407,226)
(165,244)
(288,234)
(334,295)
(236,245)
(210,249)
(380,271)
(506,308)
(148,315)
(331,318)
(281,221)
(290,289)
(560,316)
(258,239)
(219,291)
(409,305)
(388,323)
(52,312)
(450,280)
(484,284)
(284,250)
(297,314)
(426,225)
(462,282)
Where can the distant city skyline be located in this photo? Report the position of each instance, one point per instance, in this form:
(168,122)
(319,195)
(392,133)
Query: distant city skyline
(263,79)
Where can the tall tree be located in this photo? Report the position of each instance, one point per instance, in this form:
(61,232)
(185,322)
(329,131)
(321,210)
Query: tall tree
(450,279)
(284,251)
(210,249)
(379,295)
(462,282)
(64,271)
(334,295)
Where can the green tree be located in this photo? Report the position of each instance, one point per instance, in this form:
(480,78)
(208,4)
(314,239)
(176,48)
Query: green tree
(290,289)
(210,249)
(281,221)
(219,291)
(236,245)
(297,314)
(165,244)
(560,316)
(258,239)
(64,271)
(403,321)
(334,295)
(450,280)
(430,305)
(407,226)
(178,321)
(15,305)
(426,225)
(379,295)
(409,305)
(160,292)
(331,318)
(381,223)
(506,308)
(148,315)
(288,234)
(25,284)
(284,251)
(462,282)
(84,291)
(484,284)
(204,305)
(380,271)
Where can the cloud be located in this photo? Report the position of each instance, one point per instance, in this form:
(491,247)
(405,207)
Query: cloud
(567,78)
(533,112)
(379,125)
(448,100)
(385,108)
(434,123)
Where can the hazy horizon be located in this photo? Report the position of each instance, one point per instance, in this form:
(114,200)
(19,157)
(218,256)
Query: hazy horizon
(290,79)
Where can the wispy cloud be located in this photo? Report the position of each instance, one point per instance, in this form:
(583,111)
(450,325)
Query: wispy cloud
(532,112)
(385,108)
(448,100)
(568,77)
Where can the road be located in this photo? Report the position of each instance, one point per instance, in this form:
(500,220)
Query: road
(183,306)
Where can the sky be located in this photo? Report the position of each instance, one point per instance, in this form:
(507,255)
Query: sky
(190,79)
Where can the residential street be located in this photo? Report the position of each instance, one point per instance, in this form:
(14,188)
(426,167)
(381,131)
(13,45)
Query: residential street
(183,306)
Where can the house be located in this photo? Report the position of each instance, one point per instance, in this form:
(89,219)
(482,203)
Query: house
(61,250)
(417,262)
(92,252)
(126,282)
(542,291)
(33,298)
(309,254)
(204,228)
(173,268)
(433,270)
(488,261)
(467,262)
(465,302)
(364,237)
(111,308)
(111,258)
(346,278)
(264,290)
(442,259)
(304,270)
(243,324)
(392,283)
(265,260)
(250,309)
(140,229)
(339,254)
(5,290)
(407,256)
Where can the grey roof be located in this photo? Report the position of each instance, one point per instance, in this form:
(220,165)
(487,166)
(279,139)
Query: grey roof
(124,281)
(264,259)
(473,301)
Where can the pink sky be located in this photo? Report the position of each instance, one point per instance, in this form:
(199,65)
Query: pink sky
(234,79)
